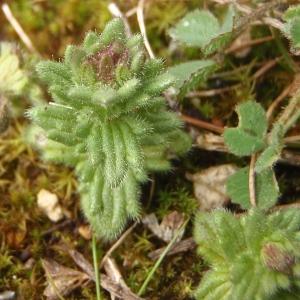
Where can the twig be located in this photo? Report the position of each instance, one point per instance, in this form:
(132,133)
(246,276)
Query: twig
(212,92)
(96,268)
(130,12)
(292,139)
(278,100)
(252,192)
(117,243)
(266,67)
(116,12)
(141,22)
(17,27)
(58,227)
(236,48)
(202,124)
(158,262)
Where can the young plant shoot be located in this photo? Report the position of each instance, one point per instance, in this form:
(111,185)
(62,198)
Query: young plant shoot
(108,121)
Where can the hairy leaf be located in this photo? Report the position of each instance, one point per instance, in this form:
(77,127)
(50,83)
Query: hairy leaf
(292,27)
(265,259)
(202,29)
(248,137)
(190,75)
(271,154)
(267,191)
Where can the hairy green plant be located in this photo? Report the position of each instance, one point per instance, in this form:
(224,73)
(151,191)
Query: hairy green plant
(108,121)
(252,257)
(292,27)
(250,137)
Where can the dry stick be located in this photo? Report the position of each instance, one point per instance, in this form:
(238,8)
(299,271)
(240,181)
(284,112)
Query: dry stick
(212,92)
(266,20)
(270,64)
(202,124)
(236,48)
(277,101)
(292,139)
(141,22)
(17,27)
(117,243)
(58,227)
(131,12)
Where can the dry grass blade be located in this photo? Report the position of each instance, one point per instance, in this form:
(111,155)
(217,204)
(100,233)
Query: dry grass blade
(18,28)
(141,22)
(117,243)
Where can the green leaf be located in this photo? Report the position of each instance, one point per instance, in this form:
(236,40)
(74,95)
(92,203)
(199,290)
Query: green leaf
(292,27)
(190,75)
(292,12)
(248,137)
(202,29)
(12,78)
(267,191)
(272,153)
(252,269)
(267,158)
(214,285)
(242,143)
(295,32)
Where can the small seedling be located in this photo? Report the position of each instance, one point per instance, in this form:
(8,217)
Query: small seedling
(109,122)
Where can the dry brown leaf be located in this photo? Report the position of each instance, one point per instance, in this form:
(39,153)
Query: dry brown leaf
(109,284)
(167,228)
(210,186)
(61,280)
(85,231)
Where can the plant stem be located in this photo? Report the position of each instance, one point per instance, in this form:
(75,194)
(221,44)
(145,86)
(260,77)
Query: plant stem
(160,259)
(252,191)
(96,269)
